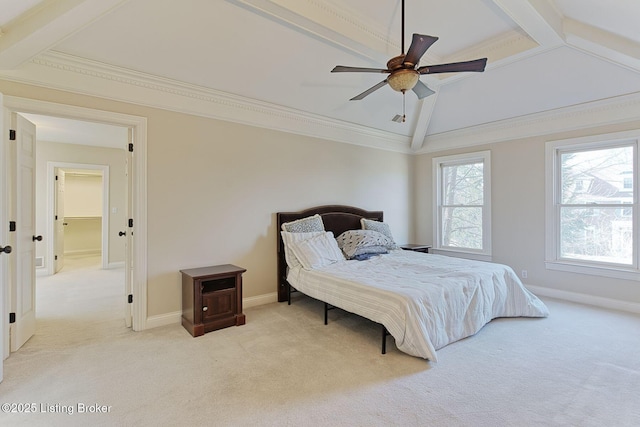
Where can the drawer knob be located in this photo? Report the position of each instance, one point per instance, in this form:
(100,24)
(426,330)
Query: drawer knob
(205,308)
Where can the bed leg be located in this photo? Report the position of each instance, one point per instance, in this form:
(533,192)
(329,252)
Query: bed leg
(327,307)
(384,339)
(326,313)
(288,293)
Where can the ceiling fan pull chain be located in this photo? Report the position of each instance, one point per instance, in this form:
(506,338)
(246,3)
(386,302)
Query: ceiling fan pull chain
(404,116)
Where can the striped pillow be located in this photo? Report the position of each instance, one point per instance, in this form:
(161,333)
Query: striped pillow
(317,251)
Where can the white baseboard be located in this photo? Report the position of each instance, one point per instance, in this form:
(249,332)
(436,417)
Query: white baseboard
(259,300)
(176,316)
(78,252)
(113,265)
(609,303)
(163,319)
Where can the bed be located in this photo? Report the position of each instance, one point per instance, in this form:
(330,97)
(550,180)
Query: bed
(425,301)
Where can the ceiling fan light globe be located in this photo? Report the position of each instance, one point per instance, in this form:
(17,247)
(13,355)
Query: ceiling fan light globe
(403,80)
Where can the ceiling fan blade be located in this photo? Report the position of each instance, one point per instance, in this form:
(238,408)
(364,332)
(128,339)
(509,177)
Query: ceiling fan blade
(419,46)
(476,65)
(369,91)
(422,90)
(343,69)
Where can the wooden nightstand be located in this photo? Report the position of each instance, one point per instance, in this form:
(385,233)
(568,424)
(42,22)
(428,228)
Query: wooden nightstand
(416,248)
(212,298)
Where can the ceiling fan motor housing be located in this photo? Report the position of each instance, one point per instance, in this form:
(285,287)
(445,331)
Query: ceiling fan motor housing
(403,76)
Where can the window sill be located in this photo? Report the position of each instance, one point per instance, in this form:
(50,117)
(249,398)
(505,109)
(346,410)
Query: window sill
(612,272)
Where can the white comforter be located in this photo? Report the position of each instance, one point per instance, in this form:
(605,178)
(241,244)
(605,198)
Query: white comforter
(425,301)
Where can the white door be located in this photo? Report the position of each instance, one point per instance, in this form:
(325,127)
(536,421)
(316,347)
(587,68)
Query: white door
(4,237)
(128,264)
(58,220)
(23,287)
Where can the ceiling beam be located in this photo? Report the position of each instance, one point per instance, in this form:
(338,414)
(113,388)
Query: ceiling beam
(44,27)
(427,106)
(537,18)
(603,44)
(329,22)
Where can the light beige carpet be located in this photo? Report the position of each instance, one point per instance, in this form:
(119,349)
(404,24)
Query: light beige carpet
(579,367)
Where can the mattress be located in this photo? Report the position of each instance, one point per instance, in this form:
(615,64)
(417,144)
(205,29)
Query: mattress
(425,301)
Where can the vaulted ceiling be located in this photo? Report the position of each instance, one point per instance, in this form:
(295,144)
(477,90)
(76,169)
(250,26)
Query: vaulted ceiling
(276,56)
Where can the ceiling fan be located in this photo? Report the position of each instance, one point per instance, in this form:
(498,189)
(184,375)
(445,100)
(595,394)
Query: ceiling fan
(404,72)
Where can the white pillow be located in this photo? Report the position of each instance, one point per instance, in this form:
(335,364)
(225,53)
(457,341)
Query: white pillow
(289,239)
(317,251)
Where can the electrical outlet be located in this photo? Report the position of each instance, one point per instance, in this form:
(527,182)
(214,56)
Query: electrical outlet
(524,274)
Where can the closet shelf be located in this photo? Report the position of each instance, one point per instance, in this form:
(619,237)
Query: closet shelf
(82,217)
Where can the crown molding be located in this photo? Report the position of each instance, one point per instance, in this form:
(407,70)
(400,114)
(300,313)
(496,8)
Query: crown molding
(620,109)
(60,71)
(65,72)
(46,24)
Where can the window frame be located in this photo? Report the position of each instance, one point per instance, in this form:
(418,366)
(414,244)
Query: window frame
(438,163)
(553,259)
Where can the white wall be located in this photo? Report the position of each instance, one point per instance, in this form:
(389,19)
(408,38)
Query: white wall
(83,195)
(518,215)
(83,236)
(82,213)
(214,187)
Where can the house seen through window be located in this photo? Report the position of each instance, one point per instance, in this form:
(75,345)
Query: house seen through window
(594,219)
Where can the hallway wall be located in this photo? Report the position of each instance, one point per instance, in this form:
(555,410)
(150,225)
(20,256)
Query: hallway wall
(82,214)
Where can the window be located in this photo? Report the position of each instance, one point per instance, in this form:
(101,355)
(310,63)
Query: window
(592,206)
(462,211)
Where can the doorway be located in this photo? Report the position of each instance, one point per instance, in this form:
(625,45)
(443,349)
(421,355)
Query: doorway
(80,206)
(74,293)
(136,258)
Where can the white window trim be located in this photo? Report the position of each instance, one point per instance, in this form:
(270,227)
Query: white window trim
(437,162)
(552,259)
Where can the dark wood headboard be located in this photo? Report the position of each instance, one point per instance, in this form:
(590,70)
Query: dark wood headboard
(336,218)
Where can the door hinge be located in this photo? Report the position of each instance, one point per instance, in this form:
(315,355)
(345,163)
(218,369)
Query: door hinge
(12,135)
(12,318)
(130,222)
(131,147)
(130,298)
(12,226)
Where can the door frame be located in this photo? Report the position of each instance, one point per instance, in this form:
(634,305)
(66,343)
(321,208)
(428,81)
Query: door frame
(4,239)
(51,176)
(138,125)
